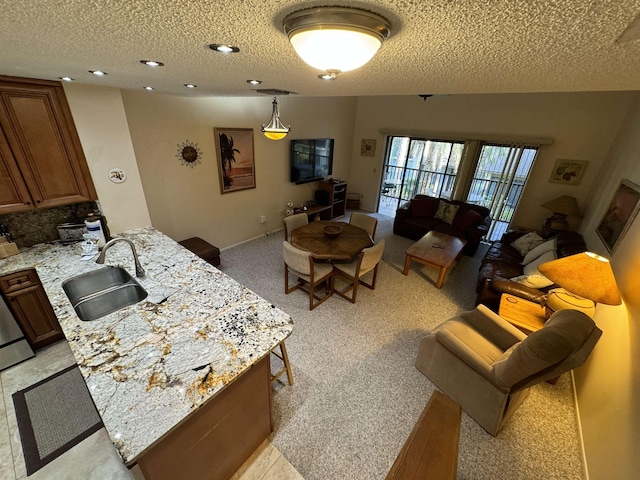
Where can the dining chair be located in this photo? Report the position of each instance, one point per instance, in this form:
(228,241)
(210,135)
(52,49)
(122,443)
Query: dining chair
(302,264)
(368,260)
(292,222)
(365,222)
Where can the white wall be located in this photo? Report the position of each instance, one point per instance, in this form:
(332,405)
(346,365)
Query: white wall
(608,385)
(102,127)
(185,202)
(583,125)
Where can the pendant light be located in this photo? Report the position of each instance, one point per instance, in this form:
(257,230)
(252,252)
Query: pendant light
(336,39)
(275,129)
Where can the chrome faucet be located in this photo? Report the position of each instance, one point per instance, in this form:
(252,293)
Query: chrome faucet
(139,270)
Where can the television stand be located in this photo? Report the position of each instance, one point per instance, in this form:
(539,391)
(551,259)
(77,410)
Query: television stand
(323,212)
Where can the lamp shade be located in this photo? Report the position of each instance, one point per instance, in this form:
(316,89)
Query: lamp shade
(335,39)
(585,274)
(566,205)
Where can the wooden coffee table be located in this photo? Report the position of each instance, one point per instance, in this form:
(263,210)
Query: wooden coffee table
(437,250)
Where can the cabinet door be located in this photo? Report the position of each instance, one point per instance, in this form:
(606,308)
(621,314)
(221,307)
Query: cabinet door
(35,316)
(14,196)
(40,131)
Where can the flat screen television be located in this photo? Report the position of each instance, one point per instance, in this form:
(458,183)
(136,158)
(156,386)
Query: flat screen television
(311,160)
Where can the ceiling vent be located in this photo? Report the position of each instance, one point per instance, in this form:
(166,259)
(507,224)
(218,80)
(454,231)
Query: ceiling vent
(274,91)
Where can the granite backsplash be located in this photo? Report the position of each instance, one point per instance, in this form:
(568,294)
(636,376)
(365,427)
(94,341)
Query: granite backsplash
(39,225)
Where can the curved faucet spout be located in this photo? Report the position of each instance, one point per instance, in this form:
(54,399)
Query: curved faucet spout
(139,270)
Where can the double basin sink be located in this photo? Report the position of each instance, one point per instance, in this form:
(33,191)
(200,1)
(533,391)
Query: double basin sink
(101,292)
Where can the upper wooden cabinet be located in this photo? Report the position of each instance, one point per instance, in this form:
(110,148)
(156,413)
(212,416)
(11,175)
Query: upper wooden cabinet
(41,160)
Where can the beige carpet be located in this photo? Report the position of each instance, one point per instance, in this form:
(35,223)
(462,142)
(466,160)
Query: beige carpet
(357,393)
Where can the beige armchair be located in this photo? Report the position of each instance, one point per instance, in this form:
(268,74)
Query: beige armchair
(365,222)
(368,260)
(486,365)
(292,222)
(302,264)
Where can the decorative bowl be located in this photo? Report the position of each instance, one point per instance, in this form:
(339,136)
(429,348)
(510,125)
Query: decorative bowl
(332,231)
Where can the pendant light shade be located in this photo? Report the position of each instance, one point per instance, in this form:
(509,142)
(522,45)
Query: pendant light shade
(275,129)
(336,39)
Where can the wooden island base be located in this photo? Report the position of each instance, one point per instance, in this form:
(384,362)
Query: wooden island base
(214,441)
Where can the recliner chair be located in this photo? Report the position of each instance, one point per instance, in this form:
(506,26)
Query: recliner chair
(486,365)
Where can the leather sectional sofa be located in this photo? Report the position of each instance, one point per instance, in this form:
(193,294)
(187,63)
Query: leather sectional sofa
(502,262)
(419,216)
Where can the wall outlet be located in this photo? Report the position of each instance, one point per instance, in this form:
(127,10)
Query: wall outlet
(263,219)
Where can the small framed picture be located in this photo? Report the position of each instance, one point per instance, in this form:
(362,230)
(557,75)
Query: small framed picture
(368,147)
(236,163)
(568,172)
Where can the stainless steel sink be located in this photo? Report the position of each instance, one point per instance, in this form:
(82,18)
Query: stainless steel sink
(101,292)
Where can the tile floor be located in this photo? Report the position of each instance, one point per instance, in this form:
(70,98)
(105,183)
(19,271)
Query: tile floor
(94,458)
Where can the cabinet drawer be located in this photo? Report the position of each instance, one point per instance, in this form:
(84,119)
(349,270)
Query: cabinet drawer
(18,280)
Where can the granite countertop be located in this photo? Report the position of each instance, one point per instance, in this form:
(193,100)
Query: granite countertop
(150,365)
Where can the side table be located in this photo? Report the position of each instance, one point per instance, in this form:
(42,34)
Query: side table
(522,314)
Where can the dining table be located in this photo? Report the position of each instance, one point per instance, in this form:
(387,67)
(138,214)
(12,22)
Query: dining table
(345,246)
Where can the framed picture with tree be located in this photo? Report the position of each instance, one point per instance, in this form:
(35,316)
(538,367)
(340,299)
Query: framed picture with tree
(236,161)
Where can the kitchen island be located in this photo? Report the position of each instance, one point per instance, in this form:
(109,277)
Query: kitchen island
(161,366)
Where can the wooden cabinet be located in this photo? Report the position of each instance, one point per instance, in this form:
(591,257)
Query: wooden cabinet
(41,160)
(30,306)
(337,197)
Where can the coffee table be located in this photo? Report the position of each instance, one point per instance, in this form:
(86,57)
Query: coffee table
(437,250)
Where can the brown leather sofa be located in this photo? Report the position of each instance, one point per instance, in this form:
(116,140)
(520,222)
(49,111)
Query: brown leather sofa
(416,217)
(502,262)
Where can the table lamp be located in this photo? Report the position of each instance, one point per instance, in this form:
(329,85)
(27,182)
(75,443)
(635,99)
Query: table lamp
(585,278)
(561,207)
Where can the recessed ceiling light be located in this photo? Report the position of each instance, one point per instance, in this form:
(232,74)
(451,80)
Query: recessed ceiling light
(223,48)
(148,89)
(152,63)
(190,85)
(330,75)
(99,73)
(254,82)
(66,79)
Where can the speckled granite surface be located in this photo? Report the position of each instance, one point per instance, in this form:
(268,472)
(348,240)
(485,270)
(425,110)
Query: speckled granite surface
(150,365)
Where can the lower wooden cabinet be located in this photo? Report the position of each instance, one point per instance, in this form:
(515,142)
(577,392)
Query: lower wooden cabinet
(31,308)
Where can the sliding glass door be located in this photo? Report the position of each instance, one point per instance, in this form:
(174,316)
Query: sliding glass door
(498,181)
(416,165)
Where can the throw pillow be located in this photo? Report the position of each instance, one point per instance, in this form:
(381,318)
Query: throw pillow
(527,242)
(422,207)
(467,219)
(532,276)
(533,281)
(446,211)
(545,247)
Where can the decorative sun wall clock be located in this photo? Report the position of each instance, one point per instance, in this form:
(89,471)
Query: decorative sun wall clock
(189,154)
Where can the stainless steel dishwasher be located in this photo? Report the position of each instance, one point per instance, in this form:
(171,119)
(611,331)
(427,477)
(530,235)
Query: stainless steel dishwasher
(13,346)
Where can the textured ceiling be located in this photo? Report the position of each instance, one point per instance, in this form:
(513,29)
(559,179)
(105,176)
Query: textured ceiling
(436,46)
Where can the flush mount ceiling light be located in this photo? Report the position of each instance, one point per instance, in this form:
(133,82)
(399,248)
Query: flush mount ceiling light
(275,129)
(336,39)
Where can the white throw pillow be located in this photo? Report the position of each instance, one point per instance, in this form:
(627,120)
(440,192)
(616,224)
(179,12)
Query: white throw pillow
(533,281)
(545,247)
(532,276)
(446,211)
(527,242)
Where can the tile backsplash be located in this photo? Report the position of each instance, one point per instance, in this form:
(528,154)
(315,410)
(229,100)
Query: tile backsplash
(39,225)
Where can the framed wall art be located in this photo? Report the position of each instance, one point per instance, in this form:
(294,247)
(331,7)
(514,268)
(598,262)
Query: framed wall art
(368,147)
(619,215)
(236,162)
(568,172)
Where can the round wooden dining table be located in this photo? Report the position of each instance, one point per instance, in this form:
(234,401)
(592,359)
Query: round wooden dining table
(311,238)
